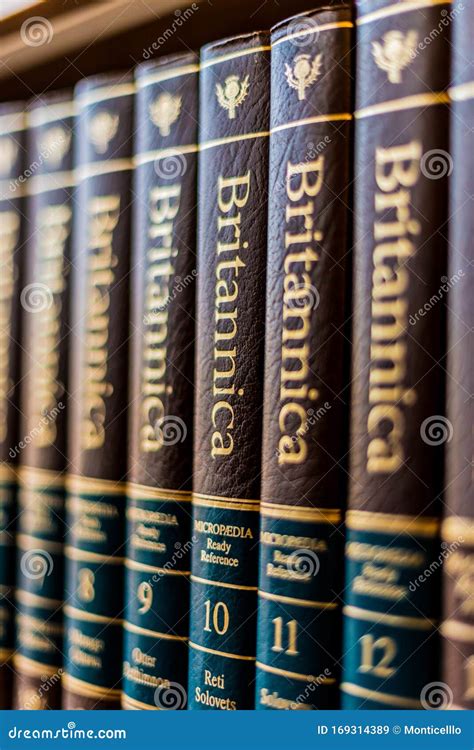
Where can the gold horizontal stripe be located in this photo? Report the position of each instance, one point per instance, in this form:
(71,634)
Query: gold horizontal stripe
(13,122)
(50,113)
(43,183)
(29,542)
(7,473)
(463,92)
(104,93)
(132,703)
(316,29)
(5,655)
(226,654)
(390,523)
(166,75)
(234,55)
(11,190)
(397,621)
(134,565)
(295,675)
(40,478)
(232,139)
(36,600)
(203,502)
(223,584)
(396,8)
(301,513)
(299,602)
(163,153)
(88,689)
(110,166)
(223,498)
(131,628)
(336,117)
(81,555)
(405,102)
(91,486)
(455,527)
(33,668)
(378,697)
(5,590)
(458,631)
(143,492)
(79,614)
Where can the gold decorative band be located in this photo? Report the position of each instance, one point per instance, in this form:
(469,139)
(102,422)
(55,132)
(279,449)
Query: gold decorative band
(163,153)
(166,75)
(13,122)
(458,631)
(378,697)
(43,183)
(91,486)
(234,55)
(455,527)
(33,668)
(134,565)
(104,93)
(89,690)
(81,555)
(50,112)
(463,92)
(5,655)
(7,473)
(143,492)
(79,614)
(316,29)
(225,654)
(35,600)
(230,503)
(131,628)
(396,8)
(10,189)
(297,602)
(27,542)
(405,102)
(396,621)
(33,478)
(392,523)
(232,139)
(305,513)
(84,171)
(336,117)
(133,705)
(223,584)
(296,675)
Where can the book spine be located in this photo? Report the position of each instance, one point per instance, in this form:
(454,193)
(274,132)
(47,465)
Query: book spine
(232,223)
(12,150)
(396,464)
(42,457)
(95,499)
(161,394)
(458,526)
(306,363)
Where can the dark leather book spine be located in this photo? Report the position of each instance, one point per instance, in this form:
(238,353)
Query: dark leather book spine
(12,227)
(232,228)
(95,500)
(390,644)
(44,385)
(458,526)
(306,363)
(158,558)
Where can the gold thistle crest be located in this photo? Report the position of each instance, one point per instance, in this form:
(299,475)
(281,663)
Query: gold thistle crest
(8,154)
(102,129)
(164,111)
(304,73)
(394,53)
(54,144)
(232,93)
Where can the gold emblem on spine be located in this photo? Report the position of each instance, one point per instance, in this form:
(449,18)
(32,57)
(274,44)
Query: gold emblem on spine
(54,144)
(102,129)
(164,112)
(304,73)
(394,53)
(232,93)
(8,154)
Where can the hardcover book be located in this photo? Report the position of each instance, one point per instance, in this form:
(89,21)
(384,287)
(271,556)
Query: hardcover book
(306,363)
(458,525)
(95,502)
(232,225)
(396,466)
(12,164)
(161,394)
(44,385)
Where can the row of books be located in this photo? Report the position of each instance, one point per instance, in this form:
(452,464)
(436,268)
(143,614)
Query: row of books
(223,423)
